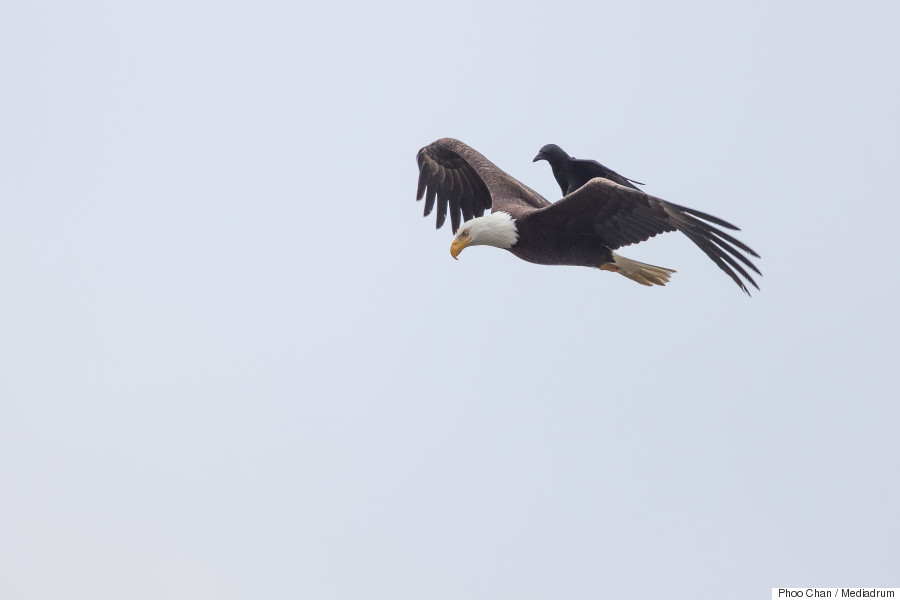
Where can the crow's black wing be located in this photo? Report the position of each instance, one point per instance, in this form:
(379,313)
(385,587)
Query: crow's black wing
(584,170)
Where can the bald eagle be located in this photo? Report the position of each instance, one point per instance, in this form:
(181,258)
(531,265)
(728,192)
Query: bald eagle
(584,228)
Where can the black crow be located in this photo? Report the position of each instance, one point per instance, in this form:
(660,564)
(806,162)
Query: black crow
(571,173)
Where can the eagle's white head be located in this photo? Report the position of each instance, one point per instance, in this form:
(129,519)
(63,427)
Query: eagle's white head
(496,229)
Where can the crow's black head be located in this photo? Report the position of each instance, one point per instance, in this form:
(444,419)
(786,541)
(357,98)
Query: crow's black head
(552,154)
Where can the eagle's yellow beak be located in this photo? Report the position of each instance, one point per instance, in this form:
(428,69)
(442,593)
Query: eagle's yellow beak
(457,246)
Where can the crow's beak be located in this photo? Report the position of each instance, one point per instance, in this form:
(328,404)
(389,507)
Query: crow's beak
(540,156)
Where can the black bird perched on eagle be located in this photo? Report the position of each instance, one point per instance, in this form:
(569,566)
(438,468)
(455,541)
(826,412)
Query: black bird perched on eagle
(571,173)
(593,219)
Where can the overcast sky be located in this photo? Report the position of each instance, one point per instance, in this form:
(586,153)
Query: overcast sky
(235,362)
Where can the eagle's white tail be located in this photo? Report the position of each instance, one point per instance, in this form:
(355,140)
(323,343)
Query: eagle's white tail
(637,271)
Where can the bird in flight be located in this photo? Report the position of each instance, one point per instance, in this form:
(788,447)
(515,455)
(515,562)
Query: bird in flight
(584,228)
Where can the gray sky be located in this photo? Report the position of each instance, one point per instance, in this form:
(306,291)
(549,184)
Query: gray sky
(235,362)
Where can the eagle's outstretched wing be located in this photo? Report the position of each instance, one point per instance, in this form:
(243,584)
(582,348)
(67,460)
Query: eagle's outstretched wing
(622,216)
(466,183)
